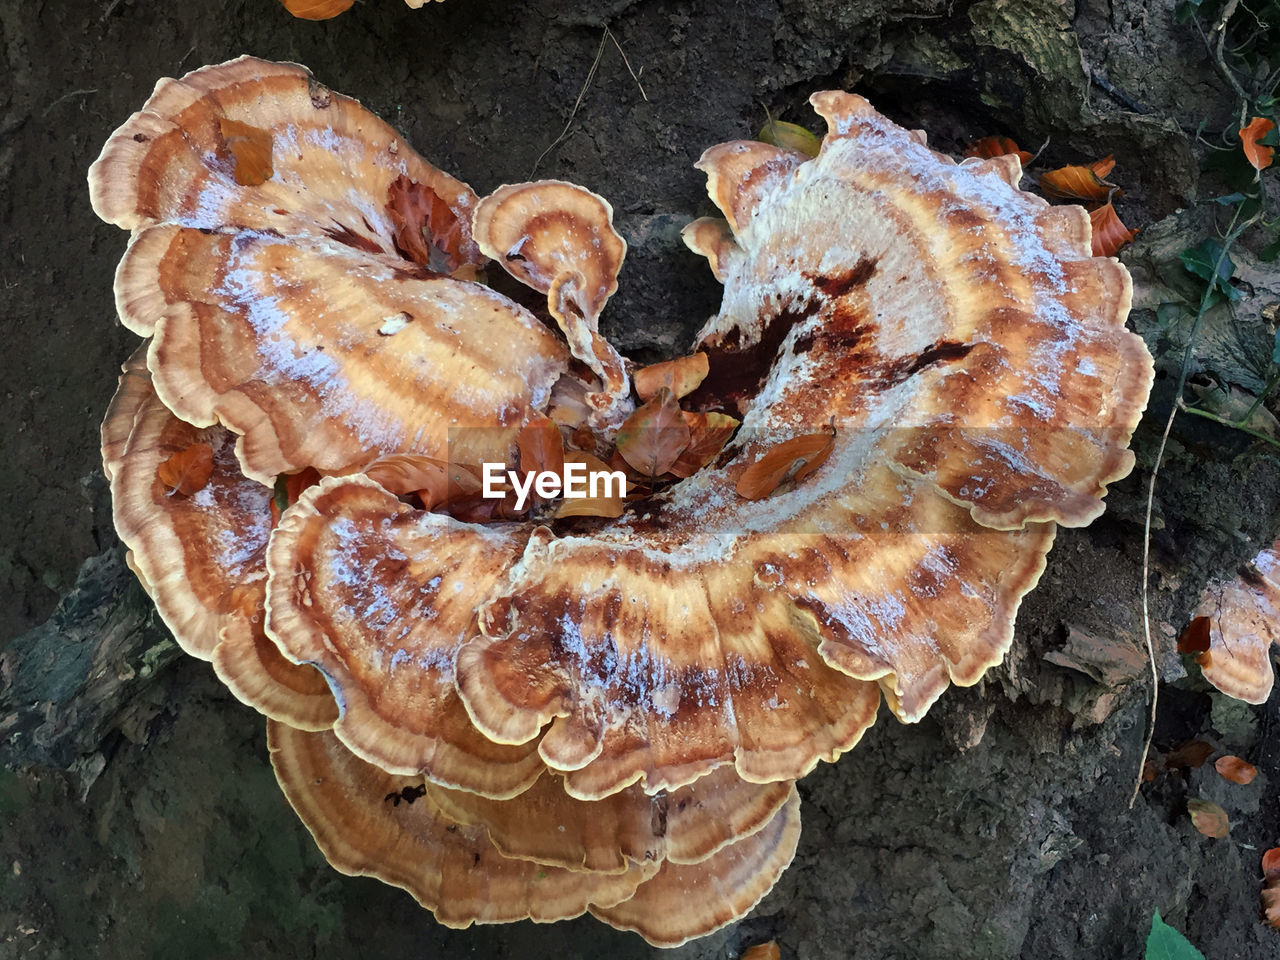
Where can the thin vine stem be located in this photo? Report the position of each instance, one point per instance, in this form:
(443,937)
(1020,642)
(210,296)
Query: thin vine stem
(1206,301)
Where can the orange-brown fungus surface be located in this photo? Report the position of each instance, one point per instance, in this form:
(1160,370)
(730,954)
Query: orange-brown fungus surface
(515,702)
(1243,620)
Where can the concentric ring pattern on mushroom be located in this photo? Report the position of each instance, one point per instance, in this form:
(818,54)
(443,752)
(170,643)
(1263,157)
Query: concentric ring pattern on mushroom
(547,705)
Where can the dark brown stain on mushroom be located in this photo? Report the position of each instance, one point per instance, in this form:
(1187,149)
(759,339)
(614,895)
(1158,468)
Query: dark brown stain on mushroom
(345,235)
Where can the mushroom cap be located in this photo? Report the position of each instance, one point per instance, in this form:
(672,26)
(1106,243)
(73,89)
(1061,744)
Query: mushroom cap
(257,288)
(351,809)
(1244,621)
(379,597)
(201,557)
(558,238)
(191,551)
(547,825)
(684,901)
(171,163)
(321,355)
(254,669)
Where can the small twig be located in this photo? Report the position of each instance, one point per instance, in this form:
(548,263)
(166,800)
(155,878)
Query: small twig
(1220,28)
(1206,299)
(576,104)
(65,97)
(634,76)
(1116,94)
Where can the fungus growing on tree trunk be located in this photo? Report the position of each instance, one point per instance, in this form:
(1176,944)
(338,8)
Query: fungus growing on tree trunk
(1242,619)
(916,373)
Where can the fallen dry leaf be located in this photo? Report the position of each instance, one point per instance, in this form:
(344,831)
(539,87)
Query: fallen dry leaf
(427,230)
(1235,769)
(541,447)
(989,147)
(1259,157)
(652,439)
(602,506)
(316,9)
(1077,183)
(188,470)
(1271,864)
(1195,638)
(807,453)
(681,376)
(708,433)
(763,951)
(790,136)
(1193,753)
(436,482)
(1109,233)
(1103,167)
(1209,818)
(250,149)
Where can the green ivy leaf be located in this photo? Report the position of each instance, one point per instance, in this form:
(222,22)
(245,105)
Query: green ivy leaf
(1208,262)
(1271,250)
(1166,943)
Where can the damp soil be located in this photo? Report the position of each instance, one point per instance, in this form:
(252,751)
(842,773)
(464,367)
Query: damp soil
(138,814)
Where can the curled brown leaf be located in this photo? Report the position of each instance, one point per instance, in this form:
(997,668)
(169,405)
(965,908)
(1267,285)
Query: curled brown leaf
(1209,818)
(188,470)
(1235,769)
(795,459)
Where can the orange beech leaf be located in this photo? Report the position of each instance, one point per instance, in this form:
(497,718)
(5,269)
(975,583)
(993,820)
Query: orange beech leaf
(708,433)
(1077,183)
(1109,234)
(427,230)
(1193,753)
(806,452)
(1259,157)
(1104,166)
(601,506)
(681,376)
(251,150)
(316,9)
(1209,818)
(188,470)
(989,147)
(763,951)
(1195,638)
(653,437)
(435,481)
(541,447)
(1235,769)
(1271,864)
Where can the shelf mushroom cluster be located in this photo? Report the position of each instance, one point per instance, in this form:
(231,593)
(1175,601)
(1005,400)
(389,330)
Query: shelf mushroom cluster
(514,715)
(1242,620)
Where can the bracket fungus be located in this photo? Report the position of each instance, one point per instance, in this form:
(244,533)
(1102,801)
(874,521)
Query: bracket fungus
(1242,618)
(917,372)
